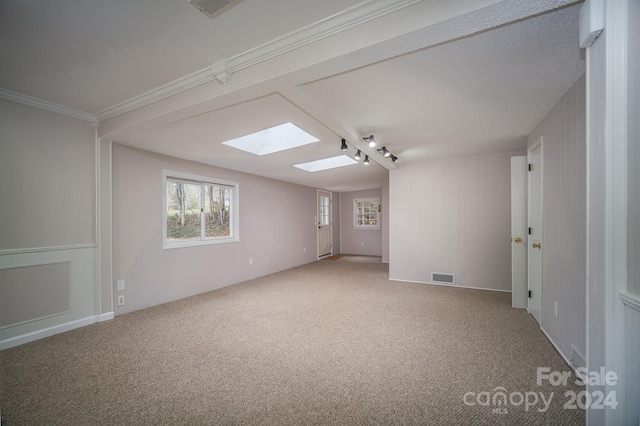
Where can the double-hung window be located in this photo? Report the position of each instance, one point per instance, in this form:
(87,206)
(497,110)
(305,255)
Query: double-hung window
(198,210)
(366,213)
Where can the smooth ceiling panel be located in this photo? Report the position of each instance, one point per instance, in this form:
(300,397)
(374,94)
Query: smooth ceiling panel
(200,138)
(91,55)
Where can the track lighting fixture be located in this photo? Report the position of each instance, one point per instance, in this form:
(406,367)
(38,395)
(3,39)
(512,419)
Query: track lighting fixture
(370,140)
(384,151)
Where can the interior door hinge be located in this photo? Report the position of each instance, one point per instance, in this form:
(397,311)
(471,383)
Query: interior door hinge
(530,231)
(529,294)
(530,166)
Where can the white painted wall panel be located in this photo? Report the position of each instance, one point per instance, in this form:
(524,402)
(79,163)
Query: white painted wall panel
(596,206)
(276,224)
(365,242)
(452,215)
(633,167)
(47,171)
(564,220)
(33,292)
(632,312)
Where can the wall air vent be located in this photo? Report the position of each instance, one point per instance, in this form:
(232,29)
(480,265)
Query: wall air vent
(213,8)
(443,278)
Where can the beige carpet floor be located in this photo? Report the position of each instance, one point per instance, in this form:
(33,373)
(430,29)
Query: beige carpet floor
(325,343)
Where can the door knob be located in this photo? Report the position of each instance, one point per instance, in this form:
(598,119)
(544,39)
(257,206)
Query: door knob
(518,240)
(536,245)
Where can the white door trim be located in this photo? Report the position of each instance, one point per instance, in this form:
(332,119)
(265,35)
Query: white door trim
(519,237)
(539,143)
(318,222)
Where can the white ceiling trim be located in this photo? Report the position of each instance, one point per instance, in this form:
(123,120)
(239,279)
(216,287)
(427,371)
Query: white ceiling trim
(348,18)
(46,105)
(177,86)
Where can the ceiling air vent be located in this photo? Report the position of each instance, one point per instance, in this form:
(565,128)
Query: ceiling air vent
(213,8)
(442,277)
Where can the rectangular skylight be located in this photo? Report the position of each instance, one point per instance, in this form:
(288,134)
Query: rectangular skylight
(275,139)
(326,163)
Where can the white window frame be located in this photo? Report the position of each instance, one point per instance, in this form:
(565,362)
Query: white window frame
(234,204)
(355,213)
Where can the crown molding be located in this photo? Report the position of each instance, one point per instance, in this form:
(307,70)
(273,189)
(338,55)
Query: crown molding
(46,105)
(177,86)
(223,70)
(342,21)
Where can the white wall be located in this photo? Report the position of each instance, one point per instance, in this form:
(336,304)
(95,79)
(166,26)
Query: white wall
(276,225)
(366,242)
(336,226)
(596,206)
(385,223)
(632,310)
(452,215)
(47,170)
(564,220)
(613,93)
(48,240)
(633,160)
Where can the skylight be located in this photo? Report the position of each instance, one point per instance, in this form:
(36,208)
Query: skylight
(326,163)
(274,139)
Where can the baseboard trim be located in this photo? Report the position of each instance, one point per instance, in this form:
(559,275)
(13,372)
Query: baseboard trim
(451,285)
(557,349)
(106,316)
(50,331)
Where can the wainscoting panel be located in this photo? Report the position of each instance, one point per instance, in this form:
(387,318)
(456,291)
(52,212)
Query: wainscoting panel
(33,292)
(46,292)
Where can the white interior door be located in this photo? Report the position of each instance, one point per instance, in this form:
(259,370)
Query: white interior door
(534,246)
(324,224)
(519,232)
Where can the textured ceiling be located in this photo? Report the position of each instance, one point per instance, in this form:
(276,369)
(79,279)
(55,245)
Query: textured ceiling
(430,78)
(474,94)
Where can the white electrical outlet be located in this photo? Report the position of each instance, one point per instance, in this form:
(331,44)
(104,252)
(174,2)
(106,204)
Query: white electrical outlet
(304,250)
(120,284)
(555,309)
(121,300)
(250,261)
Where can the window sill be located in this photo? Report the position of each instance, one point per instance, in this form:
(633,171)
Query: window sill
(182,244)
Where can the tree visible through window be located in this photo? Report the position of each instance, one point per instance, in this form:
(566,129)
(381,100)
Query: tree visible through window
(198,212)
(366,212)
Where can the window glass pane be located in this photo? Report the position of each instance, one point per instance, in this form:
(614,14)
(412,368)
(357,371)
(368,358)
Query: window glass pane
(366,213)
(324,210)
(217,211)
(183,211)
